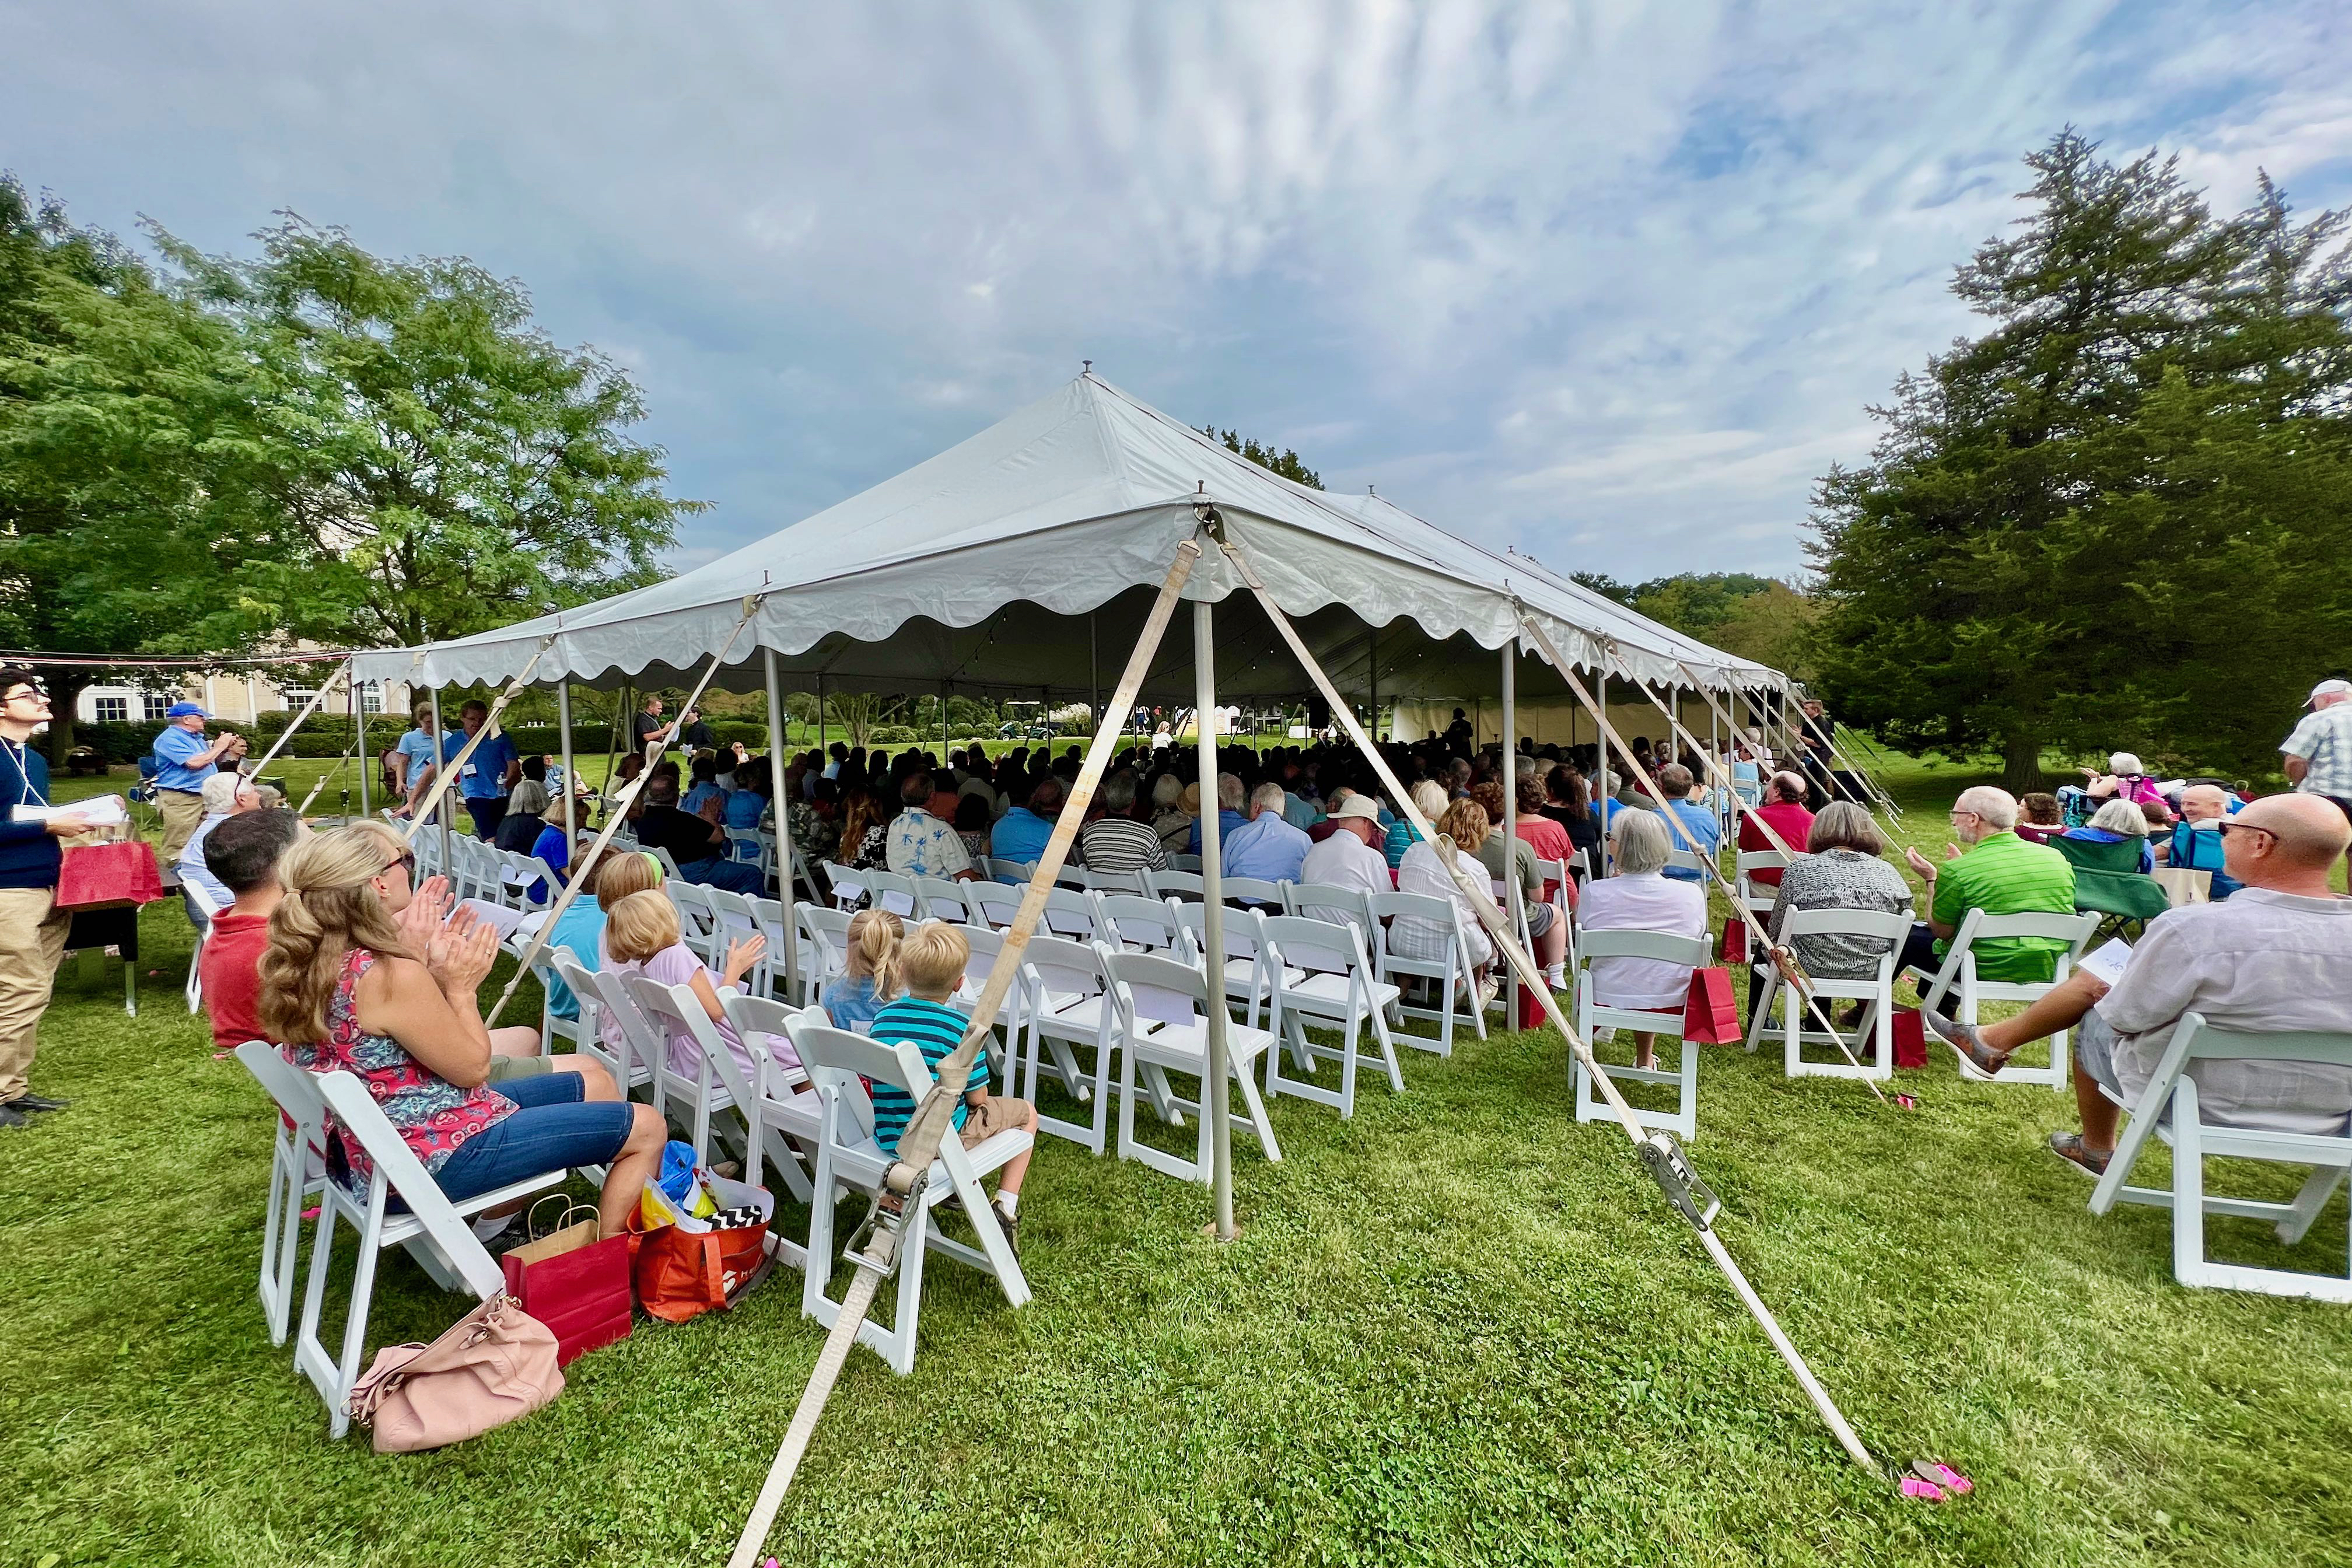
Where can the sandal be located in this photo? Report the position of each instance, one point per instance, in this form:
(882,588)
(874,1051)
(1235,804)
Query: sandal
(1936,1473)
(1965,1045)
(2068,1146)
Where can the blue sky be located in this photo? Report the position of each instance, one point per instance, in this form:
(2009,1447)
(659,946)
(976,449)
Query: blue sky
(1607,283)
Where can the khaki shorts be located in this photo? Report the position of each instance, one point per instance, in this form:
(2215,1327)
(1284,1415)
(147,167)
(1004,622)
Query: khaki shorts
(505,1067)
(990,1116)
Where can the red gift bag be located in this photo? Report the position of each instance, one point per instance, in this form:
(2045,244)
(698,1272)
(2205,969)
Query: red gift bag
(1910,1038)
(1735,940)
(1531,1011)
(108,876)
(1709,1018)
(576,1283)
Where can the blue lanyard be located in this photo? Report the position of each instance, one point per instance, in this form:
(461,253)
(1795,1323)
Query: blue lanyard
(26,794)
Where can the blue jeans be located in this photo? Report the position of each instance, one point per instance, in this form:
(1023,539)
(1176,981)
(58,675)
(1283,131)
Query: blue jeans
(550,1128)
(735,876)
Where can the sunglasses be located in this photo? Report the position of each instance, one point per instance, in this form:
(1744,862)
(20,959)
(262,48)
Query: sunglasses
(2243,827)
(408,860)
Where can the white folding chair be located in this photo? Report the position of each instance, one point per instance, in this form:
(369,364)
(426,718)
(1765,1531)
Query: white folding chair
(1138,924)
(1185,863)
(1071,1013)
(1333,985)
(1173,883)
(1757,897)
(992,904)
(1253,892)
(434,1230)
(892,890)
(2173,1088)
(698,920)
(1247,969)
(739,920)
(1876,993)
(1456,979)
(941,898)
(1162,1017)
(826,957)
(781,928)
(696,1077)
(849,884)
(1691,861)
(783,1102)
(1011,1015)
(1959,972)
(1691,953)
(849,1160)
(1072,913)
(297,1171)
(997,868)
(753,847)
(589,1037)
(194,988)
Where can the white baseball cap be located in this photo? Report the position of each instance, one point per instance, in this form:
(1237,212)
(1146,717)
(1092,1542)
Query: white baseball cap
(1358,804)
(2338,688)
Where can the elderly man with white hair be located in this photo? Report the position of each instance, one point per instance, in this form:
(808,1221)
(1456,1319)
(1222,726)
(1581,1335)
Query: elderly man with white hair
(1266,846)
(2319,754)
(1348,858)
(1989,867)
(225,795)
(2194,842)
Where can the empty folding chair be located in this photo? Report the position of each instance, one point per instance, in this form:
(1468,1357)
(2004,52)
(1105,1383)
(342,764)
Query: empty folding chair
(782,932)
(698,920)
(825,956)
(1012,1014)
(891,891)
(783,1103)
(849,1160)
(609,1047)
(1755,897)
(434,1230)
(1071,913)
(1135,924)
(739,921)
(992,904)
(1321,974)
(1175,884)
(941,898)
(1246,980)
(847,883)
(1190,863)
(1691,953)
(1455,981)
(1070,1014)
(1162,1020)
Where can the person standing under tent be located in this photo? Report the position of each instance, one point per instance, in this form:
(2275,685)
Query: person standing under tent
(187,761)
(422,752)
(32,928)
(694,734)
(488,776)
(648,726)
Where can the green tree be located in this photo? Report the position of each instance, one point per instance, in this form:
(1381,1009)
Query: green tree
(2087,526)
(1284,462)
(448,467)
(131,514)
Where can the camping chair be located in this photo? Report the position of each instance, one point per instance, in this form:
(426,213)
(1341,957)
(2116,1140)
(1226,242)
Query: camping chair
(849,1160)
(1456,979)
(1876,993)
(1333,985)
(2110,883)
(1591,1014)
(1162,1017)
(1959,970)
(2173,1089)
(297,1171)
(434,1230)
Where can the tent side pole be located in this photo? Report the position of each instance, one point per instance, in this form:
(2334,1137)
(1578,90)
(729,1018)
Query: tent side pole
(359,729)
(440,765)
(571,779)
(783,808)
(1510,782)
(1373,665)
(1216,1093)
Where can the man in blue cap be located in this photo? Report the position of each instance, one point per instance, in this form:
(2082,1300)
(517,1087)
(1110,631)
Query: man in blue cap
(188,761)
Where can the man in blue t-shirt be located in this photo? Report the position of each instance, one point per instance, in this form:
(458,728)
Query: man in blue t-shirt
(1694,829)
(490,775)
(1022,834)
(188,760)
(420,752)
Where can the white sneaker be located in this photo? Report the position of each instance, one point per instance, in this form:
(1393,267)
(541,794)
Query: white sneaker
(1556,977)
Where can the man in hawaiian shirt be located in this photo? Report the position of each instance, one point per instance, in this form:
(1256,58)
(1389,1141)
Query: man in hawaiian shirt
(921,845)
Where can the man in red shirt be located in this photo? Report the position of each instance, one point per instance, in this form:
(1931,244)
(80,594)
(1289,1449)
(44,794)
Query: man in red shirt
(1784,809)
(243,852)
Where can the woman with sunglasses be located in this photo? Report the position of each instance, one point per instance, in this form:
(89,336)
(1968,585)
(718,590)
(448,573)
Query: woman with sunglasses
(356,980)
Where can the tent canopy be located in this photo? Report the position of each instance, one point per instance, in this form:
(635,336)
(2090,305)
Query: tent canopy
(1023,560)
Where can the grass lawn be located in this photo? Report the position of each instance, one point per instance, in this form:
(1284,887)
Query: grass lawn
(1459,1328)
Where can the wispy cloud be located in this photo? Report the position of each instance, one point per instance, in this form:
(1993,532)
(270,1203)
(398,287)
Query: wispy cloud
(1607,281)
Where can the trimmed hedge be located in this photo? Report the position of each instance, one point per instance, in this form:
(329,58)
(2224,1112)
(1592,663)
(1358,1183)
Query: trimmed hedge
(330,735)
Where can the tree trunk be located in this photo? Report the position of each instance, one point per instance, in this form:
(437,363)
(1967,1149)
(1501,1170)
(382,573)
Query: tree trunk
(66,683)
(2021,764)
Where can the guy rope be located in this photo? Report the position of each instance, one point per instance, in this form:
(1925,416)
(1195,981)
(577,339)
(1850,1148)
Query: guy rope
(1665,1158)
(443,777)
(318,697)
(883,1234)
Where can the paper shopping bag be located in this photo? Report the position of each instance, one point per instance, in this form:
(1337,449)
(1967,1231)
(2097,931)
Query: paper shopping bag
(1910,1038)
(575,1281)
(108,876)
(1709,1016)
(1735,940)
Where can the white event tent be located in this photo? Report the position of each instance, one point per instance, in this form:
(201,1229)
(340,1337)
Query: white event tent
(1021,562)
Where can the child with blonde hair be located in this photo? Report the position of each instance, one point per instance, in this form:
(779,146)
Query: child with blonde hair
(930,964)
(871,978)
(642,937)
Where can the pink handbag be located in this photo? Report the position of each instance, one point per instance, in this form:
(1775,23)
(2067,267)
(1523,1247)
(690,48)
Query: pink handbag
(496,1364)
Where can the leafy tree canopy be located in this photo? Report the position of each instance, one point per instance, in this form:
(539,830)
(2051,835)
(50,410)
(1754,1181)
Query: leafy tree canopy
(1284,462)
(2119,517)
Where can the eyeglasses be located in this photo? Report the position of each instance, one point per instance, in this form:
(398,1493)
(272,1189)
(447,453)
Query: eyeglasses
(406,859)
(28,694)
(2243,827)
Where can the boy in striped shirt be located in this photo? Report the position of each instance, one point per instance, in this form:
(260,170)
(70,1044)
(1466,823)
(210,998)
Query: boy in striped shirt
(931,962)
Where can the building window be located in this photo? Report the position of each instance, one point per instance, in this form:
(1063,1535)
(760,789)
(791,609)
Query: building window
(294,698)
(114,710)
(153,705)
(372,697)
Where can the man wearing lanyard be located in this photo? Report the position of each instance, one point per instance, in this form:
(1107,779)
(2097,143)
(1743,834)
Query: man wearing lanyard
(489,774)
(423,749)
(187,761)
(32,928)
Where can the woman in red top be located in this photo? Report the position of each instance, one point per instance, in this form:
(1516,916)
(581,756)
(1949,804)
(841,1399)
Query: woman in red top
(345,988)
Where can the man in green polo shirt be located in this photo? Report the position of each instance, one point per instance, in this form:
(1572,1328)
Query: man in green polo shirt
(1998,873)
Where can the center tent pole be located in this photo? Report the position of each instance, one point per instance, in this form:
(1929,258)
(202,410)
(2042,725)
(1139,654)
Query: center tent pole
(902,1183)
(1217,1102)
(1658,1151)
(570,778)
(1511,809)
(616,811)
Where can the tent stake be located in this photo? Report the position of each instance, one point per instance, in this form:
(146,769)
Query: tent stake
(1657,1149)
(902,1184)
